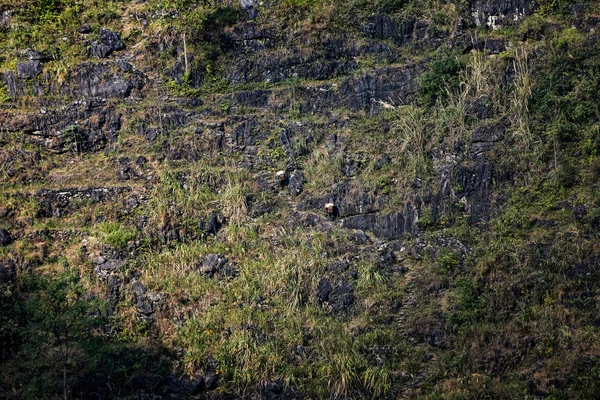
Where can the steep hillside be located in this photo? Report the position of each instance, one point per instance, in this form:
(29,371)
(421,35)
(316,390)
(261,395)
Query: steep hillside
(299,199)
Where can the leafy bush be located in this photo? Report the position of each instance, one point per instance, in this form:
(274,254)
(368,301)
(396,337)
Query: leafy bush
(566,176)
(448,260)
(4,96)
(441,79)
(74,139)
(548,7)
(427,219)
(566,88)
(391,5)
(470,305)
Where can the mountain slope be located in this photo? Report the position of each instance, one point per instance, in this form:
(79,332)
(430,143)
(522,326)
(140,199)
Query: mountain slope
(433,234)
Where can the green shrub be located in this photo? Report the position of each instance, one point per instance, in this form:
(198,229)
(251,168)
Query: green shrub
(566,87)
(470,305)
(74,138)
(426,219)
(448,261)
(566,176)
(4,96)
(549,7)
(570,38)
(116,234)
(46,10)
(391,5)
(441,79)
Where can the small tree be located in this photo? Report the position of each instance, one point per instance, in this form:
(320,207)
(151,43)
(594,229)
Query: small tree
(60,316)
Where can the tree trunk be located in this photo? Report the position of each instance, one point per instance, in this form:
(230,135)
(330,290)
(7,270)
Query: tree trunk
(65,379)
(185,57)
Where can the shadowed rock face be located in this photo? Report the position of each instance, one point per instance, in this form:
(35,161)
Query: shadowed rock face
(5,237)
(385,226)
(8,271)
(80,127)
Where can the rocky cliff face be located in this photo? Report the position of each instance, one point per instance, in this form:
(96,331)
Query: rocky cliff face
(301,199)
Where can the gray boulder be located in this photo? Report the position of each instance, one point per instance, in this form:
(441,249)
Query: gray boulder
(109,42)
(296,184)
(29,69)
(111,39)
(146,303)
(100,50)
(250,7)
(212,263)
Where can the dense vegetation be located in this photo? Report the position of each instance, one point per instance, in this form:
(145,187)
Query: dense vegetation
(147,246)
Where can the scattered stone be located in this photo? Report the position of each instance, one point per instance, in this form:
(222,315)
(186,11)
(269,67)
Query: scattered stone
(339,299)
(213,225)
(382,162)
(495,46)
(111,39)
(480,108)
(489,133)
(350,168)
(331,142)
(387,226)
(212,263)
(124,66)
(99,260)
(496,13)
(307,220)
(339,266)
(33,55)
(485,137)
(386,258)
(380,27)
(185,385)
(260,210)
(141,161)
(151,134)
(108,267)
(85,28)
(324,290)
(14,88)
(132,202)
(114,283)
(231,270)
(146,303)
(359,237)
(100,50)
(53,200)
